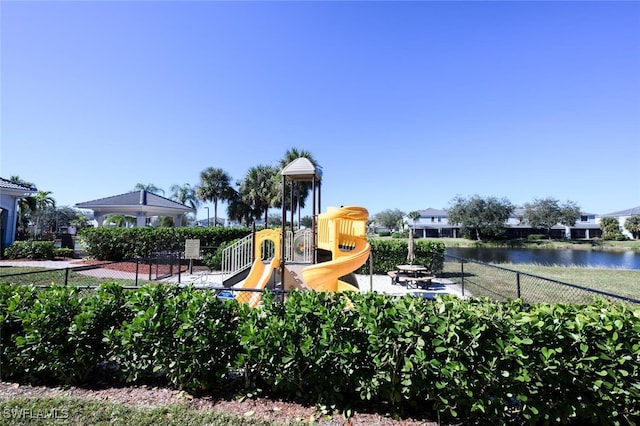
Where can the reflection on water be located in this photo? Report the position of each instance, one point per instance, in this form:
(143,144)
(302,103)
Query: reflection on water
(565,257)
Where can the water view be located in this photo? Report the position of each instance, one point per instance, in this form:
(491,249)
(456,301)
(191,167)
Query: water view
(549,257)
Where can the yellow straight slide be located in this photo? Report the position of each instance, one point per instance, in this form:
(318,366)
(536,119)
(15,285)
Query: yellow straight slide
(261,271)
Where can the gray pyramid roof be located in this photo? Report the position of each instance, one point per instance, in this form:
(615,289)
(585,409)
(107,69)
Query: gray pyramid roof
(142,200)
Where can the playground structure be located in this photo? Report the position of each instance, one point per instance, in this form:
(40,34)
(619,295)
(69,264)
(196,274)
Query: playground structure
(322,258)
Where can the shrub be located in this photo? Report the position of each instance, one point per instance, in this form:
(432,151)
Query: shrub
(536,237)
(128,243)
(63,252)
(30,250)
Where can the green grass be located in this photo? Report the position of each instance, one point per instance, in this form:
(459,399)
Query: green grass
(77,411)
(501,282)
(547,244)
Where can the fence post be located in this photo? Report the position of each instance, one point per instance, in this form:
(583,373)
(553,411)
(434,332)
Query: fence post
(462,275)
(66,276)
(179,266)
(518,284)
(137,264)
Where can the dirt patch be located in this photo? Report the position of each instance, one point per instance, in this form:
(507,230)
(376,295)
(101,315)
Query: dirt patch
(266,409)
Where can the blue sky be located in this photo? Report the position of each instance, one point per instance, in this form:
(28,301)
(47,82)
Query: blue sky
(404,104)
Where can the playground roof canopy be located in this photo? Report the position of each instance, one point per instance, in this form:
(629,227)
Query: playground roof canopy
(302,169)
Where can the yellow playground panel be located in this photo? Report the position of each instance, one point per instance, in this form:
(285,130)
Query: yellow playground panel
(340,231)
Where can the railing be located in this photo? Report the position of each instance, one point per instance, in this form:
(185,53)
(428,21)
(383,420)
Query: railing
(238,256)
(478,279)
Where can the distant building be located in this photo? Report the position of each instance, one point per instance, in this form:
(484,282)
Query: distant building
(622,217)
(434,223)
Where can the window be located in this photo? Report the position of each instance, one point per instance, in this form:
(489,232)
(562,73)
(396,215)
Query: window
(584,218)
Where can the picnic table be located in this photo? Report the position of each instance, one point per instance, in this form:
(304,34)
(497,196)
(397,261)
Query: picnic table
(412,276)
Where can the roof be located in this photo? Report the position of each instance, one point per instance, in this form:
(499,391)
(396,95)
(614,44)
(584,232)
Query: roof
(11,187)
(302,169)
(633,211)
(135,201)
(432,212)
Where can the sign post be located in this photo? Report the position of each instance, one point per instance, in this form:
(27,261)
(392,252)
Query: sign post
(191,251)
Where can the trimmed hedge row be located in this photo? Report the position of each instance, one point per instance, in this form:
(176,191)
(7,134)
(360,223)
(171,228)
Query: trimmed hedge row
(467,359)
(128,243)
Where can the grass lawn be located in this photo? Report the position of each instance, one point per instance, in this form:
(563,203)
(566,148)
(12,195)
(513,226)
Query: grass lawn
(76,411)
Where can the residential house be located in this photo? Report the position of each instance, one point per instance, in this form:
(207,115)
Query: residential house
(433,223)
(10,193)
(622,217)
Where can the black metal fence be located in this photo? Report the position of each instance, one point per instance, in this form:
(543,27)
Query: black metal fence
(478,279)
(134,272)
(475,279)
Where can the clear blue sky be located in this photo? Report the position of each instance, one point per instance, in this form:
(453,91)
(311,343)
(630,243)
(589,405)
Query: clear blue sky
(404,104)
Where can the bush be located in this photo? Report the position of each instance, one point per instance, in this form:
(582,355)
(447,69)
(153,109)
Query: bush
(469,361)
(128,243)
(536,237)
(30,250)
(63,252)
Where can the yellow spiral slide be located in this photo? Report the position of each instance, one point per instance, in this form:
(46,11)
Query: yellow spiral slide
(343,232)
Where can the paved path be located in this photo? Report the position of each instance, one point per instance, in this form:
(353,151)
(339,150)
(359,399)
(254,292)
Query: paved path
(51,264)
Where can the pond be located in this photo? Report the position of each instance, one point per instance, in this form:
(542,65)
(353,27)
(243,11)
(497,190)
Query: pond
(550,257)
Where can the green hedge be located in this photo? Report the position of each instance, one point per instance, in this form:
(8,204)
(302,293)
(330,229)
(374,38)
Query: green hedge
(128,243)
(387,254)
(30,250)
(471,360)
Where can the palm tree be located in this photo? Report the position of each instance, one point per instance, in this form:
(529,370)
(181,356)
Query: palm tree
(260,189)
(301,189)
(185,194)
(26,205)
(149,187)
(215,185)
(120,220)
(240,211)
(43,200)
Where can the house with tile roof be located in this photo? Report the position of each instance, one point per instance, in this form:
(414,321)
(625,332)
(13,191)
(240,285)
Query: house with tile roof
(10,193)
(139,204)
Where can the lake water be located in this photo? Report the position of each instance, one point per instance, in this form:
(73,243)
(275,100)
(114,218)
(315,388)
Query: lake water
(566,257)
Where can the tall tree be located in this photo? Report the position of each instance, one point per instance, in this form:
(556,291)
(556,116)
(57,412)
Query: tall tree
(43,201)
(185,194)
(548,212)
(389,218)
(480,217)
(240,211)
(414,216)
(261,189)
(301,189)
(149,187)
(215,185)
